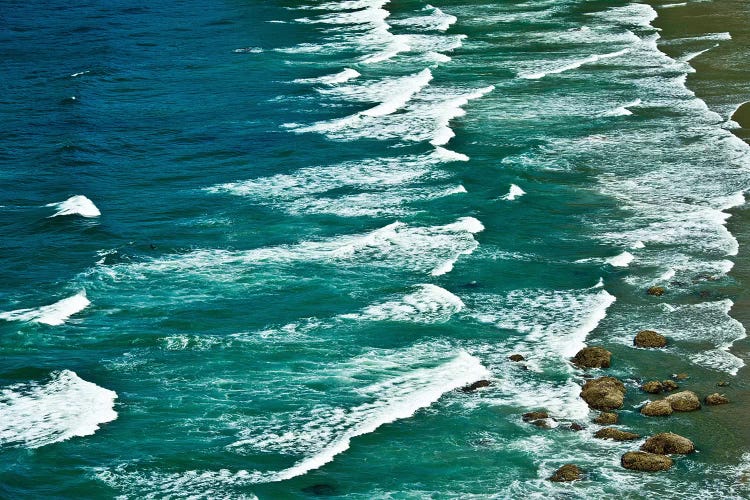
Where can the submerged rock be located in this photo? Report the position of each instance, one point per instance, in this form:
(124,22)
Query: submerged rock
(656,291)
(652,387)
(615,434)
(322,490)
(660,408)
(604,393)
(646,462)
(681,376)
(649,339)
(684,401)
(668,443)
(723,383)
(516,358)
(476,385)
(606,418)
(568,472)
(592,357)
(716,399)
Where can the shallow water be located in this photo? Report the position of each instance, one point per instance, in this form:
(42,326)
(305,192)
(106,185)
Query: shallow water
(283,235)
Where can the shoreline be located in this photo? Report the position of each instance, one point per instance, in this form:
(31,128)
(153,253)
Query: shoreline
(697,31)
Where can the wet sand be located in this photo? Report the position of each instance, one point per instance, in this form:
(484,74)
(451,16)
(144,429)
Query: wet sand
(722,80)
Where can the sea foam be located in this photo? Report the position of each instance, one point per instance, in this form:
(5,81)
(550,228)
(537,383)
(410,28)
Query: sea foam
(76,205)
(34,414)
(53,314)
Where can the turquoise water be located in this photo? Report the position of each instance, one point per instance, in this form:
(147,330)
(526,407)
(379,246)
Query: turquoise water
(254,249)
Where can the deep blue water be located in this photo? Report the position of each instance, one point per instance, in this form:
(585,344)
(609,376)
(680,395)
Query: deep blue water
(319,220)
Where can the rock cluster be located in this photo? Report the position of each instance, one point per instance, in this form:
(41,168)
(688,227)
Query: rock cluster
(604,393)
(660,408)
(566,473)
(592,357)
(606,418)
(647,462)
(649,339)
(716,399)
(684,401)
(668,443)
(656,291)
(615,434)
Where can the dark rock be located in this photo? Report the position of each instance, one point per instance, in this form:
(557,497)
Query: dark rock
(576,427)
(649,338)
(606,418)
(568,472)
(322,490)
(668,443)
(604,393)
(516,358)
(669,385)
(652,387)
(534,415)
(615,434)
(647,462)
(716,399)
(656,291)
(542,423)
(476,385)
(660,408)
(684,401)
(592,357)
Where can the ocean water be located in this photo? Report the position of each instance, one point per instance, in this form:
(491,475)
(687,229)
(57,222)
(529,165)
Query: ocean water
(253,249)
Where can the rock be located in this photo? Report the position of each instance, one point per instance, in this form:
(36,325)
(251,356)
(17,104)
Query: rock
(716,399)
(722,383)
(669,385)
(684,401)
(568,472)
(649,338)
(668,443)
(604,393)
(542,423)
(592,357)
(656,291)
(652,387)
(575,426)
(534,415)
(322,490)
(680,376)
(615,434)
(647,462)
(660,408)
(476,385)
(606,418)
(516,358)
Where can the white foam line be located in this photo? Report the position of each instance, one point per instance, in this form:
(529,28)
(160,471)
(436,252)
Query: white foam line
(53,314)
(692,55)
(67,406)
(75,205)
(399,100)
(342,77)
(574,65)
(463,370)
